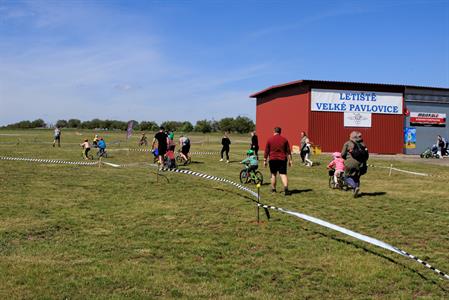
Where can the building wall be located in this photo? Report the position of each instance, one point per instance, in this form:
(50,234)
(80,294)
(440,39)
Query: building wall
(426,136)
(288,109)
(385,135)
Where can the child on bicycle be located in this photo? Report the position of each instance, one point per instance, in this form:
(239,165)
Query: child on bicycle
(86,148)
(337,164)
(251,163)
(101,147)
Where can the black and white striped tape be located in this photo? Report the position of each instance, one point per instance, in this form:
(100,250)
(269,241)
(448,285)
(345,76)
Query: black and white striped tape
(424,263)
(49,161)
(148,150)
(311,219)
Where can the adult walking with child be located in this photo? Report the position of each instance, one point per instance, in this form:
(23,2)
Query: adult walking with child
(355,153)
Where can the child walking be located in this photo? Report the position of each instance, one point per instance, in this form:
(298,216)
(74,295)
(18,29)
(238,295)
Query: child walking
(86,147)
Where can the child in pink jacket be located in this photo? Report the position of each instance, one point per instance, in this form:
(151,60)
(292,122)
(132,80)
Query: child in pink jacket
(338,164)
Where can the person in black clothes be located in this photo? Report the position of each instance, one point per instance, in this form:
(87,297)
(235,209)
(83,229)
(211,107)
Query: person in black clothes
(255,144)
(161,138)
(225,141)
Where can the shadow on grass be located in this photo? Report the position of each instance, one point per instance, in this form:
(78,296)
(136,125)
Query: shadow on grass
(372,194)
(378,255)
(196,162)
(296,191)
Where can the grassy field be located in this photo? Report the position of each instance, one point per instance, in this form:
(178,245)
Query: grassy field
(87,232)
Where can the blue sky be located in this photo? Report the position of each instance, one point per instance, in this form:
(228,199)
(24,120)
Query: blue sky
(190,60)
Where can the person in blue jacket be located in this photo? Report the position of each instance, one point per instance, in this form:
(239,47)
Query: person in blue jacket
(101,147)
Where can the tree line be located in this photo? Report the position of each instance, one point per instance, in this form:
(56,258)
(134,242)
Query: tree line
(239,124)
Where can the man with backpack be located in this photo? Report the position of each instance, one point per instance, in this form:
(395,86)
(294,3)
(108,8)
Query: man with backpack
(355,154)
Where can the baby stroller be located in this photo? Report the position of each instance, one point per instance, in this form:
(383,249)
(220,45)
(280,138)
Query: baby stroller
(431,152)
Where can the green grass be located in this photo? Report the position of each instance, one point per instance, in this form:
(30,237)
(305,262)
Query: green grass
(88,232)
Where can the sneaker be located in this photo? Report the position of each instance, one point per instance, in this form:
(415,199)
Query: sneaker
(227,161)
(221,159)
(273,191)
(356,192)
(287,192)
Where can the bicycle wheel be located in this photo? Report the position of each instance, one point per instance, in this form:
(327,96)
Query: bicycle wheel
(244,176)
(258,177)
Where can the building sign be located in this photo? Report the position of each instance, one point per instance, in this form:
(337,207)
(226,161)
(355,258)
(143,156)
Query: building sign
(356,119)
(356,101)
(409,138)
(427,119)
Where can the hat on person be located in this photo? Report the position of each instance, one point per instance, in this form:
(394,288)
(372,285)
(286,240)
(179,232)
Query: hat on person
(336,154)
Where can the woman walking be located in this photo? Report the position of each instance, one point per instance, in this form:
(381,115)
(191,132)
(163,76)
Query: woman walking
(305,149)
(225,142)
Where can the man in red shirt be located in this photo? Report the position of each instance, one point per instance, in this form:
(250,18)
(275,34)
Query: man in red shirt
(277,152)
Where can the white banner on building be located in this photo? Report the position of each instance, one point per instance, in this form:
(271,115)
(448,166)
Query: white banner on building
(356,119)
(356,101)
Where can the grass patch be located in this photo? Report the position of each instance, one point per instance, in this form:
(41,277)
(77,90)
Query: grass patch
(89,232)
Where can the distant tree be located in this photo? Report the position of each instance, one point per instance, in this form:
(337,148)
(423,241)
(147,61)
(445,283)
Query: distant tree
(61,123)
(74,123)
(171,125)
(86,125)
(38,123)
(96,123)
(121,125)
(148,126)
(215,126)
(243,124)
(203,126)
(186,127)
(22,124)
(226,124)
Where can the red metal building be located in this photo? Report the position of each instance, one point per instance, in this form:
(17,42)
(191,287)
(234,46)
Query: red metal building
(316,107)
